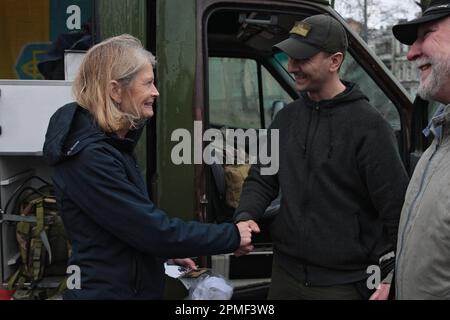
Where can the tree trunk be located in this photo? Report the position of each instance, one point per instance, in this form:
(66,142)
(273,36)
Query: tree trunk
(366,25)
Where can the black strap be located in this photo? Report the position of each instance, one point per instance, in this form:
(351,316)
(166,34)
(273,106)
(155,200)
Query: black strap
(18,192)
(219,178)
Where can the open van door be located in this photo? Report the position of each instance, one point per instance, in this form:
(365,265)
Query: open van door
(241,83)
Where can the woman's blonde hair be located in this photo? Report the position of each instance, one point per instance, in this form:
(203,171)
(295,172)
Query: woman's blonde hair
(119,58)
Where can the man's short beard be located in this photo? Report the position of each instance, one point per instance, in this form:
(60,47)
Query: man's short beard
(439,74)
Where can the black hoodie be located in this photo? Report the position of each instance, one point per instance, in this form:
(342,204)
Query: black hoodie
(342,183)
(119,238)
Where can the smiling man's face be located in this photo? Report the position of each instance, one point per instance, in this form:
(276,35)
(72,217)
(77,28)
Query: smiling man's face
(431,51)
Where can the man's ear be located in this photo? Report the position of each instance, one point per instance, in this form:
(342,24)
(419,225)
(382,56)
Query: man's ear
(115,91)
(336,61)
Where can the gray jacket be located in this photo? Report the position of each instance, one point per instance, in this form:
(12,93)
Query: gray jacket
(423,246)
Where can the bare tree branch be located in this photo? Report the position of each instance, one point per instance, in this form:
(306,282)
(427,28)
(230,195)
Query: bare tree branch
(423,4)
(383,12)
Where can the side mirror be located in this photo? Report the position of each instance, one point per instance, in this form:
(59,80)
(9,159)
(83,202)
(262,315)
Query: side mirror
(277,105)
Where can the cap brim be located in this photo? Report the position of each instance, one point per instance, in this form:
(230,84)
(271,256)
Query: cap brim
(407,32)
(296,49)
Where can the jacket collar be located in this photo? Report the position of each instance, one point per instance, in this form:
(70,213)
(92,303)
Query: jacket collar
(126,144)
(440,118)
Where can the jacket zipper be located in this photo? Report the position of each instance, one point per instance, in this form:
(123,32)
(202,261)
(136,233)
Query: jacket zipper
(308,174)
(135,275)
(306,276)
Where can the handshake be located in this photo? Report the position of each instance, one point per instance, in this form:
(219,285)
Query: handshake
(246,228)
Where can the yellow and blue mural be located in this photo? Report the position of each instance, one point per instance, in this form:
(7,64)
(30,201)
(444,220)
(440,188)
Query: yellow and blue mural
(28,27)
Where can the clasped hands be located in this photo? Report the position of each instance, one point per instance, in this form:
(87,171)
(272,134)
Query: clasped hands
(246,228)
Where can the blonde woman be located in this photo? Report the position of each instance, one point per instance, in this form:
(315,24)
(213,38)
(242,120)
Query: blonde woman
(119,238)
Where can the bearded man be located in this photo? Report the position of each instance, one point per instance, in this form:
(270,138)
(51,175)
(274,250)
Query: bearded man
(423,248)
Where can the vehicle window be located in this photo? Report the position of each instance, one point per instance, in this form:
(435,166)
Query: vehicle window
(233,93)
(273,94)
(352,71)
(282,58)
(27,30)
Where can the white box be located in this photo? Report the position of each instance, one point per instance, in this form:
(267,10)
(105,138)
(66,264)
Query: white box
(25,110)
(72,63)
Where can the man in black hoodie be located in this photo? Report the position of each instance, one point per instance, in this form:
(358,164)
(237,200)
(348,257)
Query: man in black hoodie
(341,177)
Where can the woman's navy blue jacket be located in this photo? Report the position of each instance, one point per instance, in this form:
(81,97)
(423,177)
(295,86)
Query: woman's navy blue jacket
(119,238)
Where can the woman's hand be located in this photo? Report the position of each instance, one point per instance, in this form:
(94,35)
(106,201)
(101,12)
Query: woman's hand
(186,262)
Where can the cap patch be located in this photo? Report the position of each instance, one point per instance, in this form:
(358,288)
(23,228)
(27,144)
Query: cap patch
(301,29)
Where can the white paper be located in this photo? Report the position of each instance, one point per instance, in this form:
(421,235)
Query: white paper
(175,271)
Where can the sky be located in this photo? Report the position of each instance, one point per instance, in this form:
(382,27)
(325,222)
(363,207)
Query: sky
(382,13)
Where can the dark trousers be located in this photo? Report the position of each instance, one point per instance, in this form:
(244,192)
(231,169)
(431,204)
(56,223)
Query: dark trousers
(285,287)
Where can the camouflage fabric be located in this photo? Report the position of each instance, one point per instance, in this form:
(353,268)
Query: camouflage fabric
(234,180)
(43,245)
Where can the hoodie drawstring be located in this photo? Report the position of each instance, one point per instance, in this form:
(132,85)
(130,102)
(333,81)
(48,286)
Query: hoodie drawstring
(330,135)
(305,148)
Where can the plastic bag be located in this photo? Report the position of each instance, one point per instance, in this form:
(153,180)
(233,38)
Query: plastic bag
(210,287)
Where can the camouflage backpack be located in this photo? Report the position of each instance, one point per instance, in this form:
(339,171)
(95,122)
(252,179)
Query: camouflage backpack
(42,242)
